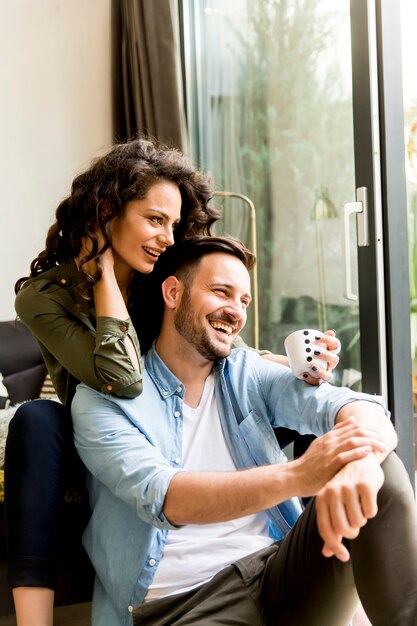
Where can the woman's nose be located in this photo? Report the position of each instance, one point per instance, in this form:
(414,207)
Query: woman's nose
(167,236)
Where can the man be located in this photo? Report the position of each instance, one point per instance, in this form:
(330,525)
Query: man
(179,536)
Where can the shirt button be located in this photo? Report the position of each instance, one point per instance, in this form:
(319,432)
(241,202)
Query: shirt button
(109,388)
(130,608)
(123,329)
(177,414)
(177,460)
(63,281)
(165,393)
(151,562)
(179,388)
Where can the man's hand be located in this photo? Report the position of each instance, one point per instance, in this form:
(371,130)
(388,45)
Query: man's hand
(348,441)
(346,503)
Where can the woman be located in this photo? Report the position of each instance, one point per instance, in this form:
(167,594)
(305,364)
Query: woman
(88,293)
(139,198)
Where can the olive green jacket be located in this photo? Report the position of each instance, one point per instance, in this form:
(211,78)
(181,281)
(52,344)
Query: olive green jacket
(75,345)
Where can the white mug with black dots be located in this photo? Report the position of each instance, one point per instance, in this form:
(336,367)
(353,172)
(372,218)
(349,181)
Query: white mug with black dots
(303,351)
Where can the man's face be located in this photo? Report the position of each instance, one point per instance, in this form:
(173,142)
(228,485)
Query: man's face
(212,311)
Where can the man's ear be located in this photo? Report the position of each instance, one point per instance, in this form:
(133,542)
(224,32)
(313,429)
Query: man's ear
(172,290)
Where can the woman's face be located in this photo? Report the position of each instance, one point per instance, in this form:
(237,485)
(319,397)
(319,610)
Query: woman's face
(146,228)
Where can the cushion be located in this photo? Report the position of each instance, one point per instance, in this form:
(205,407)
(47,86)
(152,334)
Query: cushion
(26,384)
(19,350)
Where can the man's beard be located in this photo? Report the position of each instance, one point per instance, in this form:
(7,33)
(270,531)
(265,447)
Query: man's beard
(186,325)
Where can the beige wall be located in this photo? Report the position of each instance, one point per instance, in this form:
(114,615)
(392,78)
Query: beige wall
(55,114)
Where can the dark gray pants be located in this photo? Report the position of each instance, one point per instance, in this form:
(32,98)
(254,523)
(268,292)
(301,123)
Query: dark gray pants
(292,584)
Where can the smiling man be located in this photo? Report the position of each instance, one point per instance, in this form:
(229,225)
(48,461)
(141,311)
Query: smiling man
(196,516)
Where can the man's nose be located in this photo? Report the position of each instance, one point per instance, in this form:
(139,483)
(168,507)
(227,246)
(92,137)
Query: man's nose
(236,310)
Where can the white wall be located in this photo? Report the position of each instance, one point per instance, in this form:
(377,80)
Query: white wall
(55,114)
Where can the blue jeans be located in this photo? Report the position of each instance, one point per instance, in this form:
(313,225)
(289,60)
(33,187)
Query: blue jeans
(40,464)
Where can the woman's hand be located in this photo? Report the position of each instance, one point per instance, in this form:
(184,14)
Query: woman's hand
(326,345)
(106,259)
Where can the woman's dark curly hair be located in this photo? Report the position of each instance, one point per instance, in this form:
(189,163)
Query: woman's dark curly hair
(99,194)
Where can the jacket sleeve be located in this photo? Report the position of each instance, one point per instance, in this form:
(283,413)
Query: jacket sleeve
(96,356)
(121,456)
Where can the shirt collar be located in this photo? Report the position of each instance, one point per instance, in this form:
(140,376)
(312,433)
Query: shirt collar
(165,381)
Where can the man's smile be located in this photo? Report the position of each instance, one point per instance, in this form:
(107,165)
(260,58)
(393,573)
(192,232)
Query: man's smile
(223,326)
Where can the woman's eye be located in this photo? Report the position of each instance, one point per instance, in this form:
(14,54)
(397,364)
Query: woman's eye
(156,220)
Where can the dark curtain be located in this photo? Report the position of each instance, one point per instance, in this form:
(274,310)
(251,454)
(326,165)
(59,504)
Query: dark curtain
(147,96)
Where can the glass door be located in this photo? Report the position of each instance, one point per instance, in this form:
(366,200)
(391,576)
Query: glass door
(409,48)
(298,106)
(271,112)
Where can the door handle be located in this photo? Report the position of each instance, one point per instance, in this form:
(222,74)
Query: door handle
(360,207)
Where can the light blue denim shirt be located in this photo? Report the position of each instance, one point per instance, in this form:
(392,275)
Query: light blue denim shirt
(133,447)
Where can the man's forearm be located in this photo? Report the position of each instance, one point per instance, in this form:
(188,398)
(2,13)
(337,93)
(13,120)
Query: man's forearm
(209,497)
(371,415)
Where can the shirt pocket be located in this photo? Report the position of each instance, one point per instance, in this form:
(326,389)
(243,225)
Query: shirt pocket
(260,440)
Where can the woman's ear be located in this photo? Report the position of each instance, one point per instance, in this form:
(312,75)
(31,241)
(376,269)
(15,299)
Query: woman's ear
(172,289)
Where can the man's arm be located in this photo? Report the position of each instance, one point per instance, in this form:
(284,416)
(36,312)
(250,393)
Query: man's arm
(349,499)
(371,415)
(120,455)
(209,497)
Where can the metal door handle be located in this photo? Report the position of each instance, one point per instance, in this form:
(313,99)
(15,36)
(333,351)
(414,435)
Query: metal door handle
(361,209)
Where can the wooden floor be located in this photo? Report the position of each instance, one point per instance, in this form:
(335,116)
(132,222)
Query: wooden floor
(74,615)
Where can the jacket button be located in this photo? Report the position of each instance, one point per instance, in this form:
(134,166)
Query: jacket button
(130,608)
(63,281)
(123,329)
(152,562)
(109,388)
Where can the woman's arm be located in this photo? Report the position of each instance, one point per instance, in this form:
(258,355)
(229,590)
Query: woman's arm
(94,353)
(109,300)
(329,358)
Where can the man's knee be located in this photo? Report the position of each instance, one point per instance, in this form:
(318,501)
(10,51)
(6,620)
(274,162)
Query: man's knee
(397,487)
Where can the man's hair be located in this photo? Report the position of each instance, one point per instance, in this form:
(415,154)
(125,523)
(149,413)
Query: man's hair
(183,262)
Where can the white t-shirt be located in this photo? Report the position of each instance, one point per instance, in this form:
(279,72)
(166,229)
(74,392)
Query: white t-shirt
(194,553)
